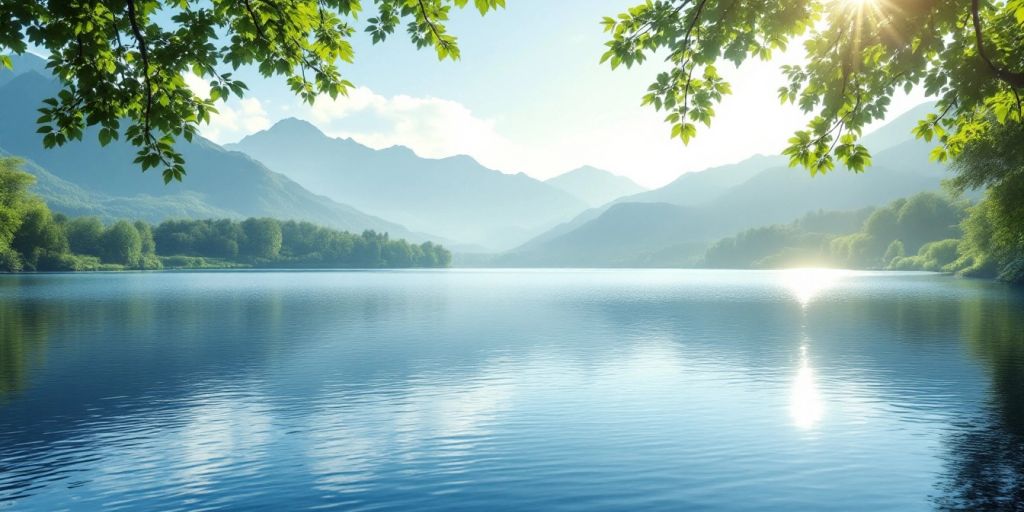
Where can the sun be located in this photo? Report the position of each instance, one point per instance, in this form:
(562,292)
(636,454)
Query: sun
(863,6)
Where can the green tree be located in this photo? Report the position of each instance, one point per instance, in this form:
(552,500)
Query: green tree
(398,254)
(928,217)
(993,241)
(127,60)
(859,250)
(85,235)
(39,238)
(262,238)
(146,236)
(14,201)
(122,244)
(895,251)
(859,53)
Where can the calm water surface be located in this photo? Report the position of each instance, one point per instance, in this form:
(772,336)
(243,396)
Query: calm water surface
(510,390)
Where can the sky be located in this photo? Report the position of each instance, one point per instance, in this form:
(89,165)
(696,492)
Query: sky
(528,95)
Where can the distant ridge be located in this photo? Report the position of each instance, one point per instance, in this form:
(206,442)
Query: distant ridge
(595,186)
(643,229)
(455,197)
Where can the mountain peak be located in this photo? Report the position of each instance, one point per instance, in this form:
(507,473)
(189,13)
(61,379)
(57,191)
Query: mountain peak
(595,186)
(296,126)
(28,84)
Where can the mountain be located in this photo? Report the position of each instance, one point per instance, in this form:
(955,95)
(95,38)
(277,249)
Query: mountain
(22,64)
(650,232)
(84,178)
(455,197)
(898,130)
(624,235)
(66,197)
(698,187)
(595,186)
(705,186)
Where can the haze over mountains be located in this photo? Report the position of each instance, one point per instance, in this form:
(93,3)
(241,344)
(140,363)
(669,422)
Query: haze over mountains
(672,225)
(455,197)
(594,186)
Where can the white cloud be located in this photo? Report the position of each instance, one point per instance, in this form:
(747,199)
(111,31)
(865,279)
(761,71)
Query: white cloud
(436,128)
(432,127)
(234,119)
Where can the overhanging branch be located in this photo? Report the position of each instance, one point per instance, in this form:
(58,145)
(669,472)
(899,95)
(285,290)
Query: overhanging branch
(1014,79)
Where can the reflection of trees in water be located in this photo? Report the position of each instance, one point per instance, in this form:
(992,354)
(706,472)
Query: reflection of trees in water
(986,466)
(23,334)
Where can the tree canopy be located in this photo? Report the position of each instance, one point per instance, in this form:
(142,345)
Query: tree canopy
(859,53)
(126,61)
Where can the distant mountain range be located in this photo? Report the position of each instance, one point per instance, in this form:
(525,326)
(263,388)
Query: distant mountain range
(585,217)
(83,178)
(594,186)
(455,197)
(672,225)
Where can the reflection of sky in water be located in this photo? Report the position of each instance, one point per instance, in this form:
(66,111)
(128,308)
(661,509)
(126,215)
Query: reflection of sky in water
(643,390)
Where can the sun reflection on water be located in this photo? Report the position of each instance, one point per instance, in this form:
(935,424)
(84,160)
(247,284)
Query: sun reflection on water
(806,284)
(806,406)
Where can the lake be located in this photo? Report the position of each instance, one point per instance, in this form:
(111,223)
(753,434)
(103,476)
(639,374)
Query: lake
(510,390)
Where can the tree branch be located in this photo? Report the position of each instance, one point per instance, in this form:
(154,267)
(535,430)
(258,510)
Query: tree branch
(137,32)
(433,29)
(255,20)
(1013,79)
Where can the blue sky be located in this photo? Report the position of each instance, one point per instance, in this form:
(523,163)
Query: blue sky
(528,96)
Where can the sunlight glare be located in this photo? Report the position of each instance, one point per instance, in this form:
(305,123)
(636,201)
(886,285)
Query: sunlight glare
(806,406)
(807,283)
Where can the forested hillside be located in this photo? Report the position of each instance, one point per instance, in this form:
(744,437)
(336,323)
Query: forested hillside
(32,238)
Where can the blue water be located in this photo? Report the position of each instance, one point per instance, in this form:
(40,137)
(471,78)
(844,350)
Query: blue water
(510,390)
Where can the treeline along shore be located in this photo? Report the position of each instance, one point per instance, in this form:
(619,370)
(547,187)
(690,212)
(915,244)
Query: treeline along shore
(33,238)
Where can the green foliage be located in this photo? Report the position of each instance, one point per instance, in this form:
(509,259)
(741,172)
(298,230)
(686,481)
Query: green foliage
(926,221)
(14,202)
(85,235)
(10,260)
(39,237)
(146,237)
(127,61)
(262,238)
(13,198)
(927,217)
(758,247)
(67,262)
(202,243)
(122,244)
(915,221)
(858,250)
(993,242)
(859,54)
(896,250)
(196,262)
(834,222)
(936,256)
